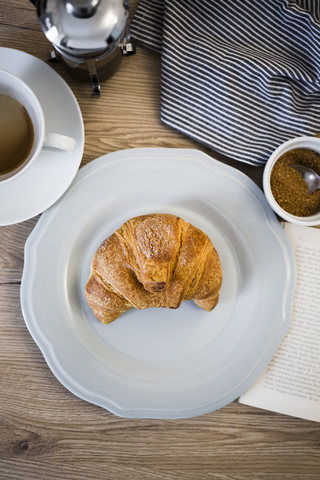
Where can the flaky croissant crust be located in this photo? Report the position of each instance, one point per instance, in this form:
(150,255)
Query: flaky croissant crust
(156,260)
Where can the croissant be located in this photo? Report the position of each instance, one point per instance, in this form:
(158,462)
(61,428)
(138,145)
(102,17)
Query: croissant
(156,260)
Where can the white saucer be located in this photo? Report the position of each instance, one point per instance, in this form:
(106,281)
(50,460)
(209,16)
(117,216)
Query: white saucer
(51,174)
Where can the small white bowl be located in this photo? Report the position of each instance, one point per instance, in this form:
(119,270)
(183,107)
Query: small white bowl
(313,143)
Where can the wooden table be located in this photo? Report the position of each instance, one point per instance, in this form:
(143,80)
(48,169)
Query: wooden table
(48,433)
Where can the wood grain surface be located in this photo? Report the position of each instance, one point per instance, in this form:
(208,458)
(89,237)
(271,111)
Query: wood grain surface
(48,433)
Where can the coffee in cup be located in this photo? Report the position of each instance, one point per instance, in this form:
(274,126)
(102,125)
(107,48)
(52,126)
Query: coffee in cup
(16,134)
(22,128)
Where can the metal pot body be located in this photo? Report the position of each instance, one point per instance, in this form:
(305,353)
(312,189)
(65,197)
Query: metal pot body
(89,36)
(90,69)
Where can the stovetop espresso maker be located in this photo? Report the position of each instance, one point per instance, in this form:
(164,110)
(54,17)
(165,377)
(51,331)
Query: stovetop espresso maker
(90,37)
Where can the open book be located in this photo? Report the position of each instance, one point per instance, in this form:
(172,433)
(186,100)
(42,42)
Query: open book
(291,382)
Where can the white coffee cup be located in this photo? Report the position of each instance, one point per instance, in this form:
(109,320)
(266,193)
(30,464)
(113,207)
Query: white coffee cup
(15,88)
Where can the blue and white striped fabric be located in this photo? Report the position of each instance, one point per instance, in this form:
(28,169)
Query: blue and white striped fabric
(239,76)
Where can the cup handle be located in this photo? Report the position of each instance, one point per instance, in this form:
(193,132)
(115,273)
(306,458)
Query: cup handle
(61,142)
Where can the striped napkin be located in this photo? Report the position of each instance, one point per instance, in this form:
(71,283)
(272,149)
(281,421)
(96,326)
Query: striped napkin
(239,76)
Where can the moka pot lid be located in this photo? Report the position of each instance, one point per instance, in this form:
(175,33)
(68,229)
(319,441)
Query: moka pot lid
(83,27)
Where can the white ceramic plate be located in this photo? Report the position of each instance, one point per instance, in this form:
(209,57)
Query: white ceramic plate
(51,174)
(159,363)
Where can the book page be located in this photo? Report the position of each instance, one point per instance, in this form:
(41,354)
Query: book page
(291,382)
